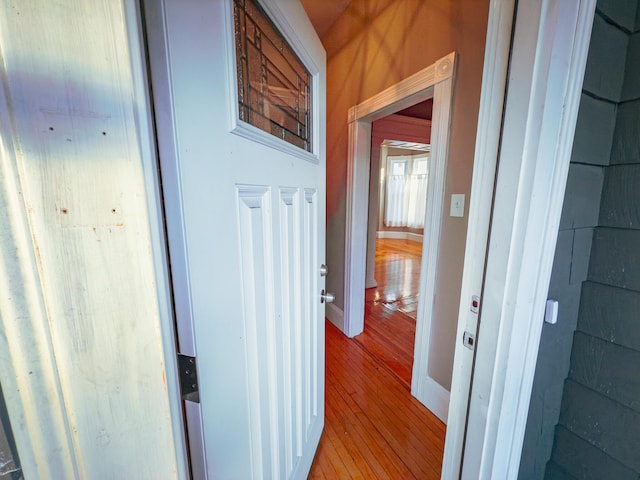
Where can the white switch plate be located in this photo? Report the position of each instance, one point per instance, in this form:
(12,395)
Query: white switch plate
(457,205)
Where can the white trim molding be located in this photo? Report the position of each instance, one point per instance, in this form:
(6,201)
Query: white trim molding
(335,315)
(410,236)
(421,380)
(414,89)
(548,61)
(435,81)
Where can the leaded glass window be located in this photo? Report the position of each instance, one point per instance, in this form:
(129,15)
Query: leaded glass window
(274,86)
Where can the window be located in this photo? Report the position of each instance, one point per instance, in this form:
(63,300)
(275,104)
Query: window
(406,190)
(274,86)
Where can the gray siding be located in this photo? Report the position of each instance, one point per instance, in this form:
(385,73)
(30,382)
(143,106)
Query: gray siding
(578,459)
(586,387)
(611,314)
(602,423)
(604,74)
(9,461)
(603,367)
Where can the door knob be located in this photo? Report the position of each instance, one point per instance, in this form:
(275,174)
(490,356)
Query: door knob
(324,270)
(327,297)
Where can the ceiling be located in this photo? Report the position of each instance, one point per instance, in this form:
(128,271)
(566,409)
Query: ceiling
(419,110)
(323,13)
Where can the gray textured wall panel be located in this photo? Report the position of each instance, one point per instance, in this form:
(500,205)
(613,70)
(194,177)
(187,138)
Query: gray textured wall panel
(584,461)
(544,412)
(594,131)
(621,197)
(626,137)
(615,258)
(582,197)
(607,368)
(576,260)
(622,12)
(554,472)
(610,313)
(582,241)
(603,423)
(605,64)
(553,363)
(631,84)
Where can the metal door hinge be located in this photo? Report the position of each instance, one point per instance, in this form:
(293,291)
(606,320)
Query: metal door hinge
(188,372)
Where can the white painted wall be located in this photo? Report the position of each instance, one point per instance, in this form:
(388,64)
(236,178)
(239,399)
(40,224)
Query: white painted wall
(82,313)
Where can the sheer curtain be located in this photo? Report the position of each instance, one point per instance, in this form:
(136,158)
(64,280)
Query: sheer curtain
(396,206)
(417,192)
(406,190)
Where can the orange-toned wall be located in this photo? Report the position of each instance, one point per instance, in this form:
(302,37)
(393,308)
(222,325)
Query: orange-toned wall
(374,44)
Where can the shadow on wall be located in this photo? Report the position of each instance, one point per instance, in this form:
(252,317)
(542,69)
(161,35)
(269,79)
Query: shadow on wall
(373,45)
(377,43)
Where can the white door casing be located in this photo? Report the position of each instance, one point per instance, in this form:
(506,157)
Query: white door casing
(246,222)
(550,48)
(435,81)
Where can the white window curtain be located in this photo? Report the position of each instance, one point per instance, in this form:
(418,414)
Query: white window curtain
(406,186)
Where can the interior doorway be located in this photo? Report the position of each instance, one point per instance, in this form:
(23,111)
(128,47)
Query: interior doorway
(399,174)
(435,82)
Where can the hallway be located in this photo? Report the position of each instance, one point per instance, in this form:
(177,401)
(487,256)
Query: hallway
(391,307)
(374,428)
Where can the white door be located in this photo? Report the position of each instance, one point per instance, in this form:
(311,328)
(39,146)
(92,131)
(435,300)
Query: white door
(246,227)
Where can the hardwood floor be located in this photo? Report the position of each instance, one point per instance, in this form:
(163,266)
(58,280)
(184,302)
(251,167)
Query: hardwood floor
(374,428)
(391,307)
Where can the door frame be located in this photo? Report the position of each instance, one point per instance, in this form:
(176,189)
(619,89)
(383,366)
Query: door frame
(168,166)
(492,97)
(503,456)
(495,69)
(435,82)
(549,53)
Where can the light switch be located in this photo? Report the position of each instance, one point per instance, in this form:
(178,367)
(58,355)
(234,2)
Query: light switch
(457,205)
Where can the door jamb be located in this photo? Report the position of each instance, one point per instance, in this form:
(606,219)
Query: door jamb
(148,139)
(494,81)
(433,81)
(550,49)
(495,69)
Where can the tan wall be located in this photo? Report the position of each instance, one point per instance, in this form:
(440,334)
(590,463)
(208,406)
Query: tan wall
(374,44)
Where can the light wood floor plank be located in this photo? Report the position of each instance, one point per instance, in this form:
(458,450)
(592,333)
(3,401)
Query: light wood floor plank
(374,428)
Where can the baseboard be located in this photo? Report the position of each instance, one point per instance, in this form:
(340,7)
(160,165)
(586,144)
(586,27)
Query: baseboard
(414,237)
(433,396)
(335,315)
(370,283)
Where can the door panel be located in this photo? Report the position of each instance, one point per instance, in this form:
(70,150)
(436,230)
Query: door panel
(246,227)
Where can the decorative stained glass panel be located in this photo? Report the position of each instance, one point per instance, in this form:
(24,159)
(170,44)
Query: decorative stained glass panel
(274,86)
